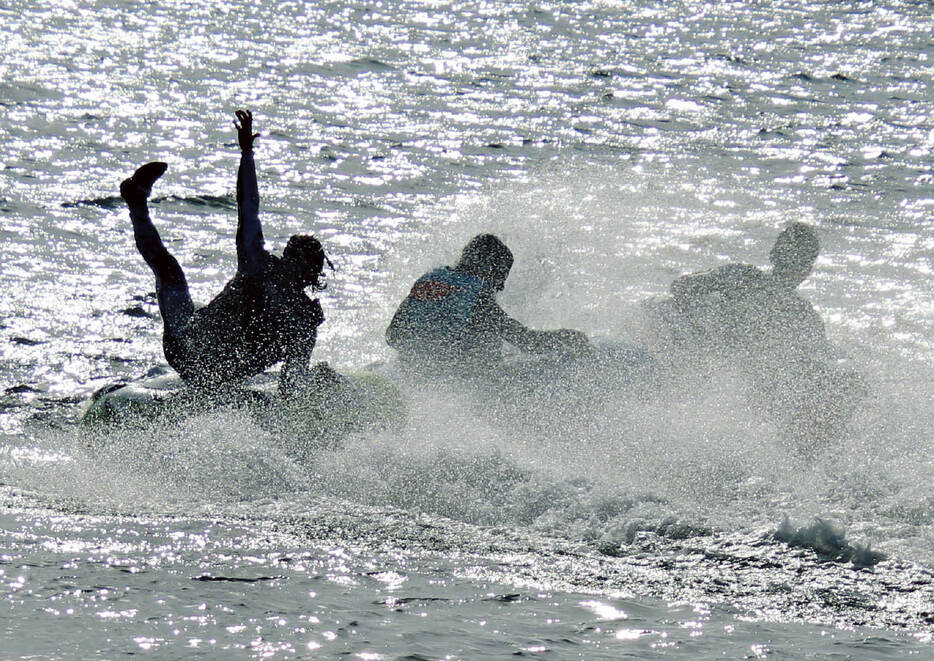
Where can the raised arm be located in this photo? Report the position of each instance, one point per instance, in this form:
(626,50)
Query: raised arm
(249,231)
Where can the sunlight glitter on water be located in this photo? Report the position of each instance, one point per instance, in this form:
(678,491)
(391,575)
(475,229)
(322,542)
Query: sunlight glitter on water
(604,611)
(395,131)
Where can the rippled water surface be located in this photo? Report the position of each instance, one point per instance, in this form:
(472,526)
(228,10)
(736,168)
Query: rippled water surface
(614,146)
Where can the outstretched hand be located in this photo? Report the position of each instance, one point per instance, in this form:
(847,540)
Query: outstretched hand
(245,133)
(571,342)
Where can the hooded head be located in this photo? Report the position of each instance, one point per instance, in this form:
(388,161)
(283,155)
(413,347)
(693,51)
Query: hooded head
(304,256)
(794,253)
(488,258)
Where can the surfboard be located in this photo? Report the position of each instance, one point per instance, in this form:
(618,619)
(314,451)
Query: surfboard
(322,414)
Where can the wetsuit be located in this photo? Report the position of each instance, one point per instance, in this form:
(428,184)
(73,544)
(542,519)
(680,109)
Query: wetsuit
(777,337)
(740,308)
(260,318)
(451,323)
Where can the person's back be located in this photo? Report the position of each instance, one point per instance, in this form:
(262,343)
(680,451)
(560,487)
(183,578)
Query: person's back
(451,323)
(247,328)
(756,317)
(738,308)
(757,321)
(434,324)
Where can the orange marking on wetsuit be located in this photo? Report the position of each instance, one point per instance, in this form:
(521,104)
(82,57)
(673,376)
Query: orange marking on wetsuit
(432,291)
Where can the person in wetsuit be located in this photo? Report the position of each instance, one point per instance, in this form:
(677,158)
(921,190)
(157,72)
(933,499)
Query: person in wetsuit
(759,322)
(450,323)
(742,308)
(263,315)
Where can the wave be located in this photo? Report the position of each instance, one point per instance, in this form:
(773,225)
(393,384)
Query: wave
(212,201)
(137,311)
(20,389)
(116,202)
(828,541)
(561,526)
(106,202)
(25,341)
(369,64)
(809,78)
(732,59)
(236,579)
(352,67)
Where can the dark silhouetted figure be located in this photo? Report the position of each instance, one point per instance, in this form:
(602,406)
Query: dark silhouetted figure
(450,323)
(742,308)
(263,315)
(758,321)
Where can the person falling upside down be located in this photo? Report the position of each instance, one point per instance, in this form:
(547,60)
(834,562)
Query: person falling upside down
(263,315)
(450,322)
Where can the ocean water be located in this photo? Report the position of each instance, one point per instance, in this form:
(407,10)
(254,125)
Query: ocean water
(614,146)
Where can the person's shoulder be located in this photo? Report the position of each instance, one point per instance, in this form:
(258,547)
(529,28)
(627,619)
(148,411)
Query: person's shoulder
(725,272)
(779,289)
(307,309)
(436,273)
(274,272)
(739,270)
(462,280)
(729,278)
(487,307)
